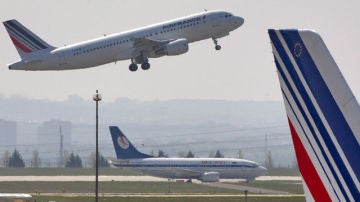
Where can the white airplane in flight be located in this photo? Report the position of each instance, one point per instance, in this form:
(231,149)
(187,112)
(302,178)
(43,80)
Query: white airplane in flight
(323,115)
(204,169)
(138,45)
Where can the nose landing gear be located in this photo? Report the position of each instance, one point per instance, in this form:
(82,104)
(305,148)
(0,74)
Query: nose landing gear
(217,46)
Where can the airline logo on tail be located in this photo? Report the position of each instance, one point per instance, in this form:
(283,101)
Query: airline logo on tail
(123,147)
(323,115)
(123,142)
(24,40)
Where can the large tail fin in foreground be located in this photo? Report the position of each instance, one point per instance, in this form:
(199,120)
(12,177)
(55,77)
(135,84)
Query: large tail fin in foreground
(123,147)
(323,115)
(25,41)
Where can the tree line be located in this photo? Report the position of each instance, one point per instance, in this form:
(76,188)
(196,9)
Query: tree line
(72,160)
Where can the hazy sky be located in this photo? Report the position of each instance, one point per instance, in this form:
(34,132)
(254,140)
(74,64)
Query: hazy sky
(242,70)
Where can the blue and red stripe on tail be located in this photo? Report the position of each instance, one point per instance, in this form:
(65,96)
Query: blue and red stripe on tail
(324,116)
(25,41)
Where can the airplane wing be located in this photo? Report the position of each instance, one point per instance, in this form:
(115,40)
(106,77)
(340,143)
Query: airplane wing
(188,173)
(145,44)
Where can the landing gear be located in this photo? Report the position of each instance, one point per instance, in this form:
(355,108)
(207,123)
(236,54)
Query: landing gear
(217,47)
(141,59)
(145,66)
(133,67)
(189,181)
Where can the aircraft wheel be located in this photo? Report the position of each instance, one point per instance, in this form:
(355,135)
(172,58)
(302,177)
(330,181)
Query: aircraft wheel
(145,66)
(133,67)
(217,47)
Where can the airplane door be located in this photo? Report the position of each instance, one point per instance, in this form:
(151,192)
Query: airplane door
(62,58)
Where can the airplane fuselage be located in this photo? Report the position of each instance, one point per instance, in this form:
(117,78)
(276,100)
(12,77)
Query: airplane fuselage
(137,45)
(187,168)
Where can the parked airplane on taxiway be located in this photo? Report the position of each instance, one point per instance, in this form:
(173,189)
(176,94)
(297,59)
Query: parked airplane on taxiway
(204,169)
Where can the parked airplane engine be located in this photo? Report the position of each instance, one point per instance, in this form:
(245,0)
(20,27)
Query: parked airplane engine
(177,47)
(210,177)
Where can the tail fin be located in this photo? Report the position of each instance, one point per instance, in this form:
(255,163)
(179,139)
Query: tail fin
(323,115)
(25,41)
(123,147)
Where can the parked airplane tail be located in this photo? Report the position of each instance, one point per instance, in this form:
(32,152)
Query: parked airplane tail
(323,115)
(25,41)
(123,147)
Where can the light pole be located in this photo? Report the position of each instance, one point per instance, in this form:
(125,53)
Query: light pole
(97,98)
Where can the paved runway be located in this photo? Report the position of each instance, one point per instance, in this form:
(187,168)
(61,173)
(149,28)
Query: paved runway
(166,195)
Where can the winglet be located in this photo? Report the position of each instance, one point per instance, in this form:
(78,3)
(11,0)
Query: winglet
(323,115)
(123,147)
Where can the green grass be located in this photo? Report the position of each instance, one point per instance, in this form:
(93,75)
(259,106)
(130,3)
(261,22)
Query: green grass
(170,199)
(108,171)
(294,187)
(64,171)
(110,187)
(283,172)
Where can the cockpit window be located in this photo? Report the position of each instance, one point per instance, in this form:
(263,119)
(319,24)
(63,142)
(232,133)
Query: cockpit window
(228,15)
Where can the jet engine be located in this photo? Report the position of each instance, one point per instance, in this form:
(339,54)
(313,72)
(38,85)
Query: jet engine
(177,47)
(210,177)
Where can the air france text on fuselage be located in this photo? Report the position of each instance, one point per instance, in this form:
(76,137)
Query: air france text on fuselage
(184,22)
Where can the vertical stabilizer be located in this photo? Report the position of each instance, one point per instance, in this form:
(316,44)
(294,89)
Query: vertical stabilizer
(25,41)
(323,115)
(123,147)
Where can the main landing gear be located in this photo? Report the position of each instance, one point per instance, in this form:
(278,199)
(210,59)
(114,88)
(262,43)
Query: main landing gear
(133,67)
(217,46)
(145,65)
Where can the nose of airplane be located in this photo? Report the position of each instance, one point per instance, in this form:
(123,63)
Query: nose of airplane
(238,21)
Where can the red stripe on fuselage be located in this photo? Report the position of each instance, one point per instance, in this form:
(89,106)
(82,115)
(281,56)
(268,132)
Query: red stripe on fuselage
(20,45)
(307,169)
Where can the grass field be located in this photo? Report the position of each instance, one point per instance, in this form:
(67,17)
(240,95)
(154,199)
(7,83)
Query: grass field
(107,171)
(111,187)
(146,188)
(294,187)
(283,172)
